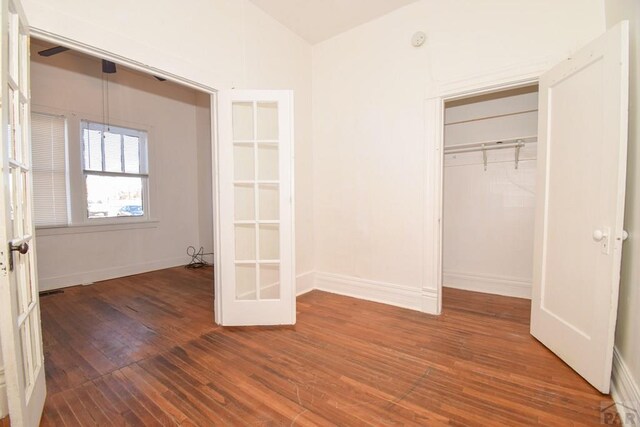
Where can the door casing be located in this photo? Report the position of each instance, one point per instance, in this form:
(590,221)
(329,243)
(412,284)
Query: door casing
(434,170)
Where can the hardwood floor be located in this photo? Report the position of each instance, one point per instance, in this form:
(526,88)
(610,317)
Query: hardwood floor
(143,350)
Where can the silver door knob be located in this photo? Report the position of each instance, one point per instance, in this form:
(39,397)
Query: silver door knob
(598,235)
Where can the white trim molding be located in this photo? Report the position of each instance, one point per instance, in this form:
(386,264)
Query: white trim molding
(625,391)
(385,293)
(305,282)
(502,79)
(496,79)
(97,228)
(134,64)
(497,285)
(430,301)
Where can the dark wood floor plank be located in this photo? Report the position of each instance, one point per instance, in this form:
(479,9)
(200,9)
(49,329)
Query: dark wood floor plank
(116,401)
(99,416)
(107,408)
(75,404)
(211,365)
(147,387)
(192,399)
(50,416)
(65,413)
(257,368)
(143,350)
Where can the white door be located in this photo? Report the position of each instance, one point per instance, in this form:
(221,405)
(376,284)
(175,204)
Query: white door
(580,205)
(19,305)
(255,209)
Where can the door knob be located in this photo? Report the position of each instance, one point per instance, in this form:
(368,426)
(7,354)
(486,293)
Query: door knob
(598,235)
(23,248)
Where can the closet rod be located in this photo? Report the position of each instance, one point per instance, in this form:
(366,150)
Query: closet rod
(491,143)
(485,148)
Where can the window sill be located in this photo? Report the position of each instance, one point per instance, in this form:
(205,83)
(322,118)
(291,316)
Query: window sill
(96,228)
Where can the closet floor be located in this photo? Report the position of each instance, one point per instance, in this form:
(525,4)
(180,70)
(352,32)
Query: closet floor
(143,350)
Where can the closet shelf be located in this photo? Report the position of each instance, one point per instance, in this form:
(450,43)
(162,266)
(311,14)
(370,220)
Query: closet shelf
(496,116)
(485,146)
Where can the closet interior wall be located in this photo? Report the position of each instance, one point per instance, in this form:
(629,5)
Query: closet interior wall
(489,194)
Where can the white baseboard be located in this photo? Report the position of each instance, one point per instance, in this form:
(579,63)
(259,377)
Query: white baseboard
(424,300)
(497,285)
(305,282)
(79,278)
(386,293)
(625,391)
(430,301)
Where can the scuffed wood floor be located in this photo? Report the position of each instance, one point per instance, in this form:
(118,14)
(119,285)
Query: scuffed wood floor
(143,350)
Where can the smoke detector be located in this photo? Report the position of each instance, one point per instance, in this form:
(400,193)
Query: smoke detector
(418,39)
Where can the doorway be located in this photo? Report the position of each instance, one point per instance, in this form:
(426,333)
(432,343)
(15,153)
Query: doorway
(116,151)
(579,200)
(122,174)
(488,191)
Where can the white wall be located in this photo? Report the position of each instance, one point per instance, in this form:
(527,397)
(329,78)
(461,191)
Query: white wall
(219,43)
(627,331)
(369,90)
(71,85)
(489,214)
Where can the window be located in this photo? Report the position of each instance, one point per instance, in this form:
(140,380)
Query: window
(115,171)
(87,173)
(49,163)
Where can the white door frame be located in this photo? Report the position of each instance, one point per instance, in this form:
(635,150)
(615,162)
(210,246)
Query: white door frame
(434,167)
(82,47)
(87,49)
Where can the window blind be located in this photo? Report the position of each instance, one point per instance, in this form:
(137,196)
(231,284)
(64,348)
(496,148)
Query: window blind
(48,139)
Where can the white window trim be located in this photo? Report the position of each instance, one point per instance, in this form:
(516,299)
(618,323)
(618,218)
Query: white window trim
(144,173)
(96,228)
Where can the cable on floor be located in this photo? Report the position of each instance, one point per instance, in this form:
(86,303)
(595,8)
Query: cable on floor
(197,258)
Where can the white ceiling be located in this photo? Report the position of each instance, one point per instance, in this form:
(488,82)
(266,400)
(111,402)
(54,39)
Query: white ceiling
(318,20)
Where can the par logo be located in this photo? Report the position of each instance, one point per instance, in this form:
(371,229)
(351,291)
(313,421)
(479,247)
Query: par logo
(619,413)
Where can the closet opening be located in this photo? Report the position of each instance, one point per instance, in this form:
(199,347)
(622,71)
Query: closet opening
(488,193)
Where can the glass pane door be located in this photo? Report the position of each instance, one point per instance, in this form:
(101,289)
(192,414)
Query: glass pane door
(19,302)
(256,188)
(256,139)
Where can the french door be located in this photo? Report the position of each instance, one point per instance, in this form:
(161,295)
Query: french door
(19,304)
(255,210)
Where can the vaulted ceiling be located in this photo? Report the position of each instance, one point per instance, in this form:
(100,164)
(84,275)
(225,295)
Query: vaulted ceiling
(318,20)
